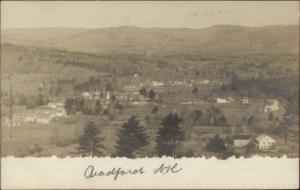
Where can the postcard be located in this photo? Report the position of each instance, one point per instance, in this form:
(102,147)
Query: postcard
(149,94)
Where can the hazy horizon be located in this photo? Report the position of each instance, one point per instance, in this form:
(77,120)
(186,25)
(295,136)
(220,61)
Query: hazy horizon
(132,26)
(194,15)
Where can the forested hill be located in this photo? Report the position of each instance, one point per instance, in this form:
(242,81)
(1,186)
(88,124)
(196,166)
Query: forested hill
(219,39)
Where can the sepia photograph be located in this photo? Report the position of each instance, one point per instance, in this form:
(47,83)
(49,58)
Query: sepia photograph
(204,79)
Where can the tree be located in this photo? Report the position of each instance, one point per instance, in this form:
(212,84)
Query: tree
(271,116)
(169,135)
(143,92)
(282,129)
(250,121)
(155,110)
(216,144)
(132,138)
(197,117)
(69,103)
(109,87)
(80,105)
(40,100)
(195,91)
(222,121)
(119,107)
(105,111)
(113,98)
(151,95)
(235,82)
(98,107)
(244,120)
(113,101)
(250,148)
(89,142)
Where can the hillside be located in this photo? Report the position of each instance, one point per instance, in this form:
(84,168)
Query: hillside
(220,39)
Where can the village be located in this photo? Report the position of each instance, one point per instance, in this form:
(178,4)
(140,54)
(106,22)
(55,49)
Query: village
(146,98)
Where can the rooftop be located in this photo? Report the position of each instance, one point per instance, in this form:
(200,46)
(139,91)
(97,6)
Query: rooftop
(242,137)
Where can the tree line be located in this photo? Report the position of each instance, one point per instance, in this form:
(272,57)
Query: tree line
(91,107)
(132,139)
(212,116)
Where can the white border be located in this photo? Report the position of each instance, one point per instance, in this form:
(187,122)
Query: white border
(255,172)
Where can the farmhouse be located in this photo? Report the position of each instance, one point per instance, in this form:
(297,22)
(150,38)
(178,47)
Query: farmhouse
(265,142)
(241,140)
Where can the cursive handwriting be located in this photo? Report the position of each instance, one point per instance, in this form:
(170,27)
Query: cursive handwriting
(116,172)
(165,169)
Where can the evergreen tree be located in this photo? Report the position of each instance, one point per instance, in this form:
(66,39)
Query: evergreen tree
(216,144)
(250,121)
(69,103)
(271,116)
(131,139)
(143,92)
(40,100)
(98,107)
(222,121)
(89,142)
(109,87)
(80,105)
(169,135)
(235,82)
(151,95)
(197,117)
(155,110)
(195,91)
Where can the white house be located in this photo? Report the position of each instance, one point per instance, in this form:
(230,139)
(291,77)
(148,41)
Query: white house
(221,101)
(265,142)
(157,83)
(241,140)
(178,83)
(273,107)
(204,82)
(86,95)
(43,120)
(245,100)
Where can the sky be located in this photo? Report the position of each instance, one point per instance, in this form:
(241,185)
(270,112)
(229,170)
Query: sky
(175,14)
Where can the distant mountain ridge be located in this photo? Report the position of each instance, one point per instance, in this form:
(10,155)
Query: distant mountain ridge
(219,39)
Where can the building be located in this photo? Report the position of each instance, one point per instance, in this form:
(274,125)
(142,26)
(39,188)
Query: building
(265,142)
(221,101)
(86,95)
(241,140)
(157,83)
(245,101)
(107,96)
(274,106)
(136,75)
